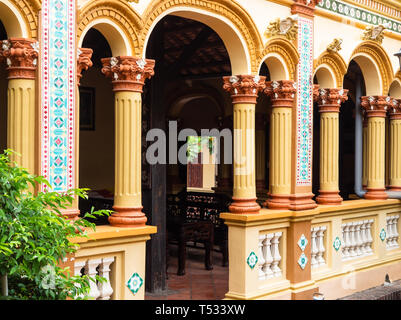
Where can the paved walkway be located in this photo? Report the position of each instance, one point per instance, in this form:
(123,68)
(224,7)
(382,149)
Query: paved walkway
(197,283)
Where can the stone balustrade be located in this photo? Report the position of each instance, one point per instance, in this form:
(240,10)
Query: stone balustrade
(357,239)
(270,257)
(392,237)
(318,256)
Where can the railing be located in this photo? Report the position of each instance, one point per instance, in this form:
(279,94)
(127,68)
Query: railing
(318,251)
(96,267)
(357,239)
(392,232)
(270,257)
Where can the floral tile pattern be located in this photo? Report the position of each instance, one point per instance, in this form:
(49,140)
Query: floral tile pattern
(303,242)
(303,261)
(337,243)
(135,283)
(383,235)
(252,260)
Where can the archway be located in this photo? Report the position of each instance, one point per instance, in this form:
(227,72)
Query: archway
(96,136)
(191,59)
(395,89)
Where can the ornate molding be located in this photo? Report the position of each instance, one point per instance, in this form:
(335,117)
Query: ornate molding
(330,99)
(21,57)
(394,110)
(29,10)
(379,55)
(128,73)
(244,88)
(225,8)
(335,45)
(286,50)
(376,106)
(287,28)
(84,62)
(335,62)
(374,33)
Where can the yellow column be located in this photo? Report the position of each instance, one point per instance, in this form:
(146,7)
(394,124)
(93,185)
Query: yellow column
(244,92)
(376,108)
(282,94)
(395,146)
(128,74)
(329,108)
(21,57)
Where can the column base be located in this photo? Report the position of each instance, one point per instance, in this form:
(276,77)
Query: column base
(244,206)
(70,214)
(376,194)
(394,189)
(128,217)
(300,202)
(329,198)
(278,202)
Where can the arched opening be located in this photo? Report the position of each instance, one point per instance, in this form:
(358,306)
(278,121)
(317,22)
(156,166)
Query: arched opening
(325,77)
(192,52)
(395,89)
(96,138)
(12,21)
(3,95)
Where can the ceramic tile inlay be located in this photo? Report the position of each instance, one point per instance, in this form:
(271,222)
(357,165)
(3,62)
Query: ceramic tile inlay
(252,260)
(353,12)
(305,102)
(337,244)
(303,242)
(383,235)
(135,283)
(58,74)
(303,261)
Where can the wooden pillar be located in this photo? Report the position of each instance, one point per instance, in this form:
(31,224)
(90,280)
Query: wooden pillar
(282,94)
(128,74)
(395,146)
(244,92)
(329,108)
(376,109)
(21,57)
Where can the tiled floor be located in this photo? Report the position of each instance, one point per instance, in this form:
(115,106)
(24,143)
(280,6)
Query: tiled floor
(197,283)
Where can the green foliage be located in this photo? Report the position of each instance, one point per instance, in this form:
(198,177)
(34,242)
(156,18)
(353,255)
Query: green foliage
(195,144)
(34,236)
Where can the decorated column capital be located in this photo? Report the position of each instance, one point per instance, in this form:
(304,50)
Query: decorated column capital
(315,90)
(282,93)
(376,106)
(394,111)
(128,73)
(244,88)
(21,57)
(330,100)
(84,62)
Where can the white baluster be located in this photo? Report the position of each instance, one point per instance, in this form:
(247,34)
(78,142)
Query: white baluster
(314,250)
(346,241)
(105,288)
(389,232)
(78,266)
(90,270)
(395,230)
(352,251)
(369,235)
(267,268)
(363,237)
(276,254)
(262,255)
(322,249)
(358,238)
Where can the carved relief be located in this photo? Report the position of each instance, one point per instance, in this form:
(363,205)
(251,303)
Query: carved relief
(283,27)
(244,88)
(374,33)
(330,100)
(376,106)
(84,62)
(335,46)
(284,89)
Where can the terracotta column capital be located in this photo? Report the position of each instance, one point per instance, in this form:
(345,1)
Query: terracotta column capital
(376,106)
(394,111)
(21,57)
(316,88)
(282,93)
(305,7)
(84,62)
(128,73)
(330,100)
(244,88)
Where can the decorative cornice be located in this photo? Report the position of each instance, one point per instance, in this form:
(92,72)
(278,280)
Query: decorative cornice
(304,7)
(84,62)
(330,99)
(21,57)
(282,93)
(376,106)
(128,73)
(244,88)
(287,28)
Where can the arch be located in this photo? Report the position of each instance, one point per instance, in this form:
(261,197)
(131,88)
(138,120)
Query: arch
(14,16)
(376,67)
(227,18)
(330,69)
(117,21)
(281,57)
(395,87)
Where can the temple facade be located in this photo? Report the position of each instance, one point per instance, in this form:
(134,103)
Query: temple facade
(310,91)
